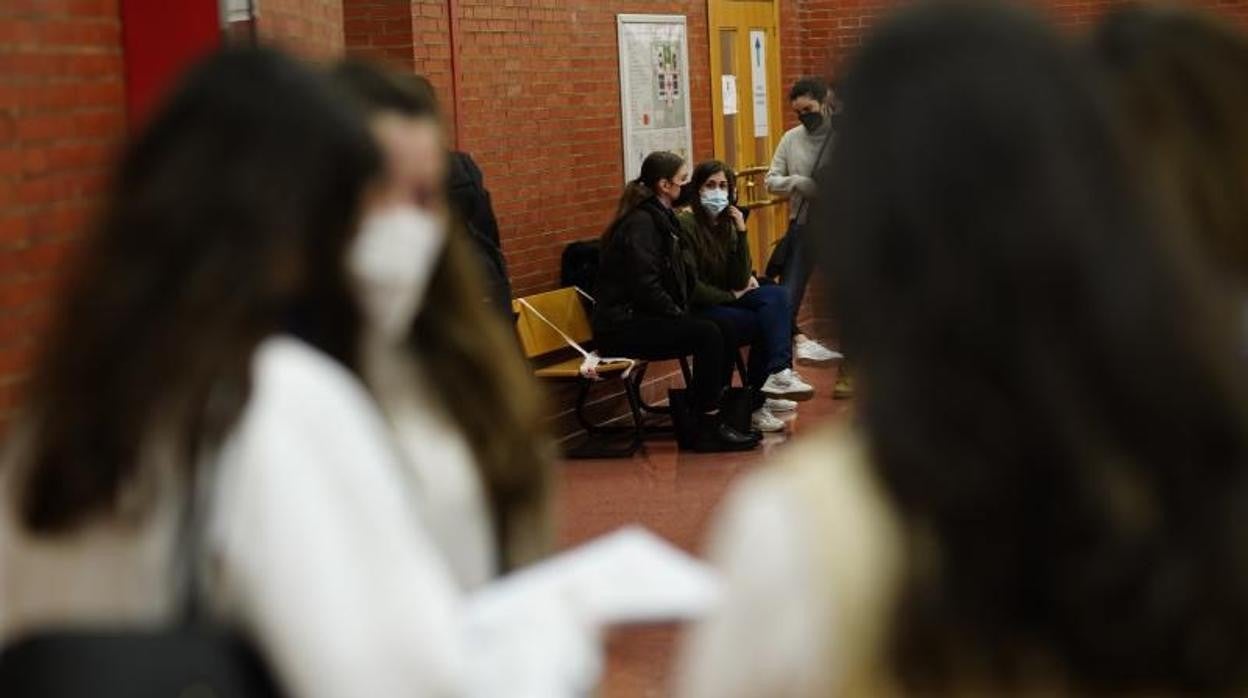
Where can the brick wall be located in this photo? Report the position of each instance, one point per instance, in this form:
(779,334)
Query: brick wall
(311,28)
(408,34)
(62,116)
(380,30)
(540,111)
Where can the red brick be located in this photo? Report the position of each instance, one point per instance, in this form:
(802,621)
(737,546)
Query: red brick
(61,112)
(312,28)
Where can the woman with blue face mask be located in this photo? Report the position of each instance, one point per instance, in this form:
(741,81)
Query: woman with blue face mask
(715,237)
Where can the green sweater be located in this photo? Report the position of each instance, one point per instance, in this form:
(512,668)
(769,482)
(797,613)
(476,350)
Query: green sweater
(717,275)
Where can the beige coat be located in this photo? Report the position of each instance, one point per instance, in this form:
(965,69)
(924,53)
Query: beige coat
(811,555)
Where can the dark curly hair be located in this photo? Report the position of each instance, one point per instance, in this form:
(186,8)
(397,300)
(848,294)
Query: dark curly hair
(1057,426)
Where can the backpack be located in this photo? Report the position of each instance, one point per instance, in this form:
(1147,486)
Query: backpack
(578,265)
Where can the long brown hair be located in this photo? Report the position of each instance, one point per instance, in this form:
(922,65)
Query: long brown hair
(1073,519)
(1180,79)
(712,237)
(228,216)
(470,357)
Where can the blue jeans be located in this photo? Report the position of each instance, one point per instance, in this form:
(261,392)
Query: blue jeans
(763,318)
(798,267)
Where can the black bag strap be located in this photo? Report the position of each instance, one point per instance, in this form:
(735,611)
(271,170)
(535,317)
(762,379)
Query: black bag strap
(191,541)
(823,147)
(190,544)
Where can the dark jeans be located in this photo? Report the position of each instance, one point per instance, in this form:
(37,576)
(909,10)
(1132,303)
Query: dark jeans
(763,318)
(657,338)
(798,267)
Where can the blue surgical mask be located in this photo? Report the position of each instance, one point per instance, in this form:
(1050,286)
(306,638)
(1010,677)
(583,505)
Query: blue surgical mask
(715,201)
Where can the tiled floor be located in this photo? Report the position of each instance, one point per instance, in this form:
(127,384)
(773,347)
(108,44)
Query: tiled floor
(674,494)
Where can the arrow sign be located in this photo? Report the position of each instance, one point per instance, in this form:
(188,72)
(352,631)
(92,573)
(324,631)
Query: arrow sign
(758,83)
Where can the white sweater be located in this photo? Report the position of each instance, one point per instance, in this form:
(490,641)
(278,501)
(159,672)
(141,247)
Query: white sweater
(793,166)
(810,553)
(442,469)
(319,545)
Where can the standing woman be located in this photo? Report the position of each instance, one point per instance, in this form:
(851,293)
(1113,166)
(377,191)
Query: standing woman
(644,290)
(714,233)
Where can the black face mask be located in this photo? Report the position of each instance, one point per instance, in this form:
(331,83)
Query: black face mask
(811,120)
(686,196)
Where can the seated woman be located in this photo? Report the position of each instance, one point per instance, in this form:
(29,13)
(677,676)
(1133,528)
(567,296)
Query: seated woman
(1022,505)
(714,234)
(643,294)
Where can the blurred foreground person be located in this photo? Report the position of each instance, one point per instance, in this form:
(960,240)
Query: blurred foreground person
(1180,80)
(169,375)
(444,368)
(1024,504)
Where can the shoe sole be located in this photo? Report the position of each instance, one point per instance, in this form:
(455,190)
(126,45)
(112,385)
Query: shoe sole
(776,430)
(795,396)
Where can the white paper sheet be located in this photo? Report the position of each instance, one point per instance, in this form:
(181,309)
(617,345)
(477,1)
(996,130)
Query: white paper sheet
(538,632)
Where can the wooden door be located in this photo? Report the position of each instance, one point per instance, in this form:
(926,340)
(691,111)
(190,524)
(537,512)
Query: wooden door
(745,55)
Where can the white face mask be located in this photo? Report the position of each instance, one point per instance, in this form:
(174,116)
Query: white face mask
(391,262)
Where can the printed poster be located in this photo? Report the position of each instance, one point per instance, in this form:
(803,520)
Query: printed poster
(654,88)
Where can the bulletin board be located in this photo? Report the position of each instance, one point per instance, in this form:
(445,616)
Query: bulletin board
(654,88)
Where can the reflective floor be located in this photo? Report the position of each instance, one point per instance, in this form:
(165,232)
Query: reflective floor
(673,494)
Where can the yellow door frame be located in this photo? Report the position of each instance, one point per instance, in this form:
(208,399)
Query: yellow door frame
(769,219)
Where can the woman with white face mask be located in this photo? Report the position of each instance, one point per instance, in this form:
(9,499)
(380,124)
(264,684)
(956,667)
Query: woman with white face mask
(444,368)
(714,234)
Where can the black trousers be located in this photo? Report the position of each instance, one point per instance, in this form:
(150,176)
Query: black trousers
(712,343)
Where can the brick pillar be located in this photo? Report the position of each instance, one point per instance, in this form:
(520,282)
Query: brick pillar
(310,28)
(380,30)
(62,115)
(411,35)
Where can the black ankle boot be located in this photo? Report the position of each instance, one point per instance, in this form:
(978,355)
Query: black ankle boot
(714,436)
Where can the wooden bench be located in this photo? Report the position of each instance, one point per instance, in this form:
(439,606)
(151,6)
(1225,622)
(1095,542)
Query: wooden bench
(544,323)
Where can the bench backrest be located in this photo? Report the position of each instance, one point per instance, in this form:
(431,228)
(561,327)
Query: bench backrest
(563,308)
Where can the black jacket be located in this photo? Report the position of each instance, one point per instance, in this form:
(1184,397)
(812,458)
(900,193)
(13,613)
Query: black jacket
(470,200)
(644,270)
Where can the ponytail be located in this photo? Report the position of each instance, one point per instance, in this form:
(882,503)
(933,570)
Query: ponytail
(657,166)
(635,192)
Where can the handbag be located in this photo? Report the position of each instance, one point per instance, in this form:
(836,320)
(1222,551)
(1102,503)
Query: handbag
(193,658)
(780,254)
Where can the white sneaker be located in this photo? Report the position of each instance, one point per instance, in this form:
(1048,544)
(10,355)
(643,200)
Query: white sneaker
(785,384)
(810,352)
(763,420)
(774,405)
